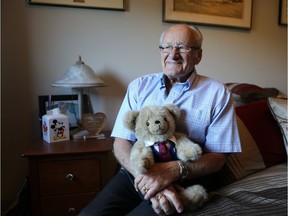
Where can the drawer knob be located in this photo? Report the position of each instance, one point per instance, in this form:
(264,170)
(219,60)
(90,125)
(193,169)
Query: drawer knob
(71,211)
(70,177)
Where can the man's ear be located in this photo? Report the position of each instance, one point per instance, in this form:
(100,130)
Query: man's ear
(198,56)
(130,120)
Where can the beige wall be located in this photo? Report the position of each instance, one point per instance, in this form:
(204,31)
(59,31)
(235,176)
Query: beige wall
(40,42)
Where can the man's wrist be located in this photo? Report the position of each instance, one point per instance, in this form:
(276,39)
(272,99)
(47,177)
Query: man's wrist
(183,169)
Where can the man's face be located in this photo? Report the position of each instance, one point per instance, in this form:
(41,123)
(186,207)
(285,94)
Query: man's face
(177,64)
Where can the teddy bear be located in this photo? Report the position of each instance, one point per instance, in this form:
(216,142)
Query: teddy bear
(154,126)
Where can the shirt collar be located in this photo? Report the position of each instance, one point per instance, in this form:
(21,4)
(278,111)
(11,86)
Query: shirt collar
(150,143)
(188,82)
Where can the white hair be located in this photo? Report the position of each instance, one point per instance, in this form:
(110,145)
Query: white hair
(199,36)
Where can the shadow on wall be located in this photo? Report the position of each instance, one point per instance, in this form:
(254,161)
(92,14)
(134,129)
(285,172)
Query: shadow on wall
(112,96)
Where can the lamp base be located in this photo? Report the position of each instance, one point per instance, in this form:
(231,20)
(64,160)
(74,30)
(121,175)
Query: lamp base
(78,133)
(84,134)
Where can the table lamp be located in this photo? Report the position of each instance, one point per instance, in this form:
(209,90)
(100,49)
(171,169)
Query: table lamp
(79,76)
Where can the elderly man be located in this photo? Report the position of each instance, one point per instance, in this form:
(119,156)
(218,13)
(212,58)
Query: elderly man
(207,117)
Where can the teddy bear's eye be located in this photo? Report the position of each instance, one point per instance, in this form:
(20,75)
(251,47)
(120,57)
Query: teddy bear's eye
(147,123)
(165,119)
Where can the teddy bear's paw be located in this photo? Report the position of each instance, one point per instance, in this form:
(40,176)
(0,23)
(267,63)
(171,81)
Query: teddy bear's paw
(142,165)
(194,197)
(140,170)
(191,152)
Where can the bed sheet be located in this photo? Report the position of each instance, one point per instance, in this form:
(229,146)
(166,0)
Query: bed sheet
(263,193)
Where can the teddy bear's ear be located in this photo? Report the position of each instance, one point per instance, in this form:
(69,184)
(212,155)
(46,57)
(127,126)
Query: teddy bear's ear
(174,110)
(130,120)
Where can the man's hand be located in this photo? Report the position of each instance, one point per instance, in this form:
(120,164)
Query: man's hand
(159,177)
(167,201)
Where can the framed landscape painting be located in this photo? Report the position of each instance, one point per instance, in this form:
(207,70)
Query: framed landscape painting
(226,13)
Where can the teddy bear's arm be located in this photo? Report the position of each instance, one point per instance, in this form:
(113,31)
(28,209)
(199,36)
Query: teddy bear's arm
(141,157)
(186,149)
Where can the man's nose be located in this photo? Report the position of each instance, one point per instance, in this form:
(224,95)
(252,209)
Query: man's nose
(175,52)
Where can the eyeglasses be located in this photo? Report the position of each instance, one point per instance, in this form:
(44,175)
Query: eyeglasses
(167,48)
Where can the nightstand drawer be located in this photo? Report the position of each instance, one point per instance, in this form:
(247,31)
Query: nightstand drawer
(65,205)
(69,176)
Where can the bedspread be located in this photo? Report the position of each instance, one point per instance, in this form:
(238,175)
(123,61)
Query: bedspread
(263,193)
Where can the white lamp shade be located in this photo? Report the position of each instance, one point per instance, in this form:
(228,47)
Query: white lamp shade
(79,75)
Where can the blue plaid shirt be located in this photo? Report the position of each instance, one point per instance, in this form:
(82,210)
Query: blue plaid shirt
(207,111)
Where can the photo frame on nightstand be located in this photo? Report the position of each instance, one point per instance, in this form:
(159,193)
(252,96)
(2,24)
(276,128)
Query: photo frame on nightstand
(68,104)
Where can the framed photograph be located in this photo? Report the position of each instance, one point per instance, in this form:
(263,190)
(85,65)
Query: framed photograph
(226,13)
(282,12)
(68,104)
(97,4)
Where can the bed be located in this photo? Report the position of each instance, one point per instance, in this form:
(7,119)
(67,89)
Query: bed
(254,181)
(262,193)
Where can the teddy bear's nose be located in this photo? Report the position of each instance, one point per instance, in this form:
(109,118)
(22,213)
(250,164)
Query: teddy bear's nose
(157,122)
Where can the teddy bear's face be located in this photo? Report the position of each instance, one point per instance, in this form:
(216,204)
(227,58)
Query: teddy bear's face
(155,124)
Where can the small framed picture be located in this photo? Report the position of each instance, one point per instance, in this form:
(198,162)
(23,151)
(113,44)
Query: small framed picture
(67,104)
(282,12)
(230,13)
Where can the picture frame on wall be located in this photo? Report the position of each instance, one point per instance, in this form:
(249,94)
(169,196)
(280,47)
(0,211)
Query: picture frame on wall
(68,104)
(228,13)
(93,4)
(282,12)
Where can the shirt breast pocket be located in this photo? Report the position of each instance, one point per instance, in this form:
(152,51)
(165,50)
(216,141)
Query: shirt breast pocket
(194,123)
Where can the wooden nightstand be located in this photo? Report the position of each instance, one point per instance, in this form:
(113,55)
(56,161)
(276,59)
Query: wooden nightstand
(65,176)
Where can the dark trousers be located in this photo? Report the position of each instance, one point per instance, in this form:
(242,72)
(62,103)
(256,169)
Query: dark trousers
(119,198)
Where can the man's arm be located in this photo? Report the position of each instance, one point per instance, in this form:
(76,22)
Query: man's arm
(122,149)
(163,174)
(159,179)
(207,164)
